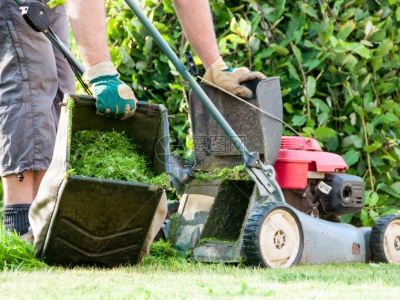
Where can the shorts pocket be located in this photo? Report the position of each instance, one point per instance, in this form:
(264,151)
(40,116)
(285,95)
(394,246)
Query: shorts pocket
(19,51)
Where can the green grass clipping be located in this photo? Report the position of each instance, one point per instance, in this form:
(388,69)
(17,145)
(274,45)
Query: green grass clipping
(16,254)
(111,155)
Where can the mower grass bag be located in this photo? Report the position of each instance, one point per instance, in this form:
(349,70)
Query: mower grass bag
(104,222)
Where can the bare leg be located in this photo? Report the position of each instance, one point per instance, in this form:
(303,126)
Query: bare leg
(16,192)
(197,24)
(18,197)
(37,179)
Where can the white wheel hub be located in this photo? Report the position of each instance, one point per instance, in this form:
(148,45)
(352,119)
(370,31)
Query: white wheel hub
(391,244)
(279,239)
(397,243)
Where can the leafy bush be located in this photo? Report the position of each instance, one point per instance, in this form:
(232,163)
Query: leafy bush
(337,61)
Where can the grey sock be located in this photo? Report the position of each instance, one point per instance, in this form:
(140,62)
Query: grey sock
(16,217)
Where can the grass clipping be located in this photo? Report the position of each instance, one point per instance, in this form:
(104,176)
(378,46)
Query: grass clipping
(162,252)
(238,172)
(15,253)
(111,155)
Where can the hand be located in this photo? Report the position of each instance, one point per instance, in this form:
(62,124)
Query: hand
(230,79)
(113,97)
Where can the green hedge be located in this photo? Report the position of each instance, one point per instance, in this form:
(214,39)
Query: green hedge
(337,61)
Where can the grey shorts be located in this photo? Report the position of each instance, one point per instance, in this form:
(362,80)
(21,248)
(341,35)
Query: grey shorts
(33,78)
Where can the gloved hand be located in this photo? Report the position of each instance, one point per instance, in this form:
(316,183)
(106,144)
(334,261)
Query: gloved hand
(230,79)
(113,97)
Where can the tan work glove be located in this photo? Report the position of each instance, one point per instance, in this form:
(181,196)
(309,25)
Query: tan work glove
(230,79)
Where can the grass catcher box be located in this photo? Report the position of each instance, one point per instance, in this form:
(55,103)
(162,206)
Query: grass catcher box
(88,220)
(258,131)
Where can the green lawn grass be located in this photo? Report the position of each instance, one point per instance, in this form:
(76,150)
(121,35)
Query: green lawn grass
(165,274)
(183,280)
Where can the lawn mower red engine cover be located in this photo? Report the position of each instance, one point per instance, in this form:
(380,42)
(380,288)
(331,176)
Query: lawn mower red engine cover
(299,156)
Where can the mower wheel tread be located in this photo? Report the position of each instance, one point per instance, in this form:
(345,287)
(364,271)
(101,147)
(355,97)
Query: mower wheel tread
(377,238)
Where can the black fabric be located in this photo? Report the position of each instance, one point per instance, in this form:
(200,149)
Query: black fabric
(16,217)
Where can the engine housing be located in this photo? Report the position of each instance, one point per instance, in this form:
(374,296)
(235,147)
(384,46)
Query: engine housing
(302,165)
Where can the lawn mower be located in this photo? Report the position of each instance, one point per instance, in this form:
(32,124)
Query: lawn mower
(284,215)
(226,220)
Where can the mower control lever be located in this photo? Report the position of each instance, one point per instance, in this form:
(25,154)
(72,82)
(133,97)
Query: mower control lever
(37,17)
(264,176)
(254,161)
(265,180)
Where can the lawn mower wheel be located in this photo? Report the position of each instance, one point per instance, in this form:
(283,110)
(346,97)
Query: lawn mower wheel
(273,236)
(385,240)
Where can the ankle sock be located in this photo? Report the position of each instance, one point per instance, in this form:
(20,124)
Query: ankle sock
(16,217)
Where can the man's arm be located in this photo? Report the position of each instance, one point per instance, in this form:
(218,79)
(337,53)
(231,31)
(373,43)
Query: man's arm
(88,23)
(197,24)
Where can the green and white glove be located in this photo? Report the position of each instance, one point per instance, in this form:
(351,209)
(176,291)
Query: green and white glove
(230,78)
(113,97)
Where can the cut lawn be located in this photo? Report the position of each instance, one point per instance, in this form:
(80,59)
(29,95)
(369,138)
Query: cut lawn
(179,279)
(165,274)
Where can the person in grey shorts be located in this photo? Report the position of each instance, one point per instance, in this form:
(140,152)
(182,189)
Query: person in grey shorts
(33,78)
